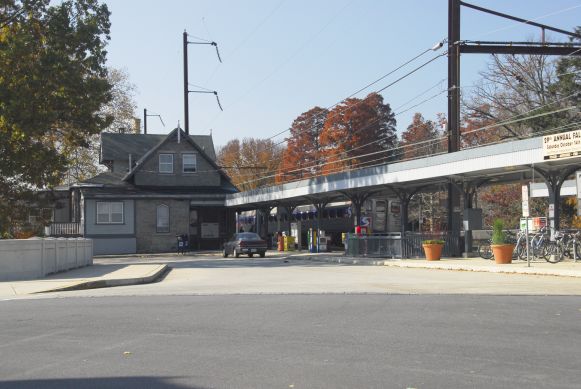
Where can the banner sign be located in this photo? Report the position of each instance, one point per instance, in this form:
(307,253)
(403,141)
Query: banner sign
(563,145)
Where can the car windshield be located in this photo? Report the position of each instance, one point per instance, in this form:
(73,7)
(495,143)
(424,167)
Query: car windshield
(248,236)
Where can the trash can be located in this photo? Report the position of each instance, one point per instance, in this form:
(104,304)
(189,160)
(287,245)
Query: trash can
(280,245)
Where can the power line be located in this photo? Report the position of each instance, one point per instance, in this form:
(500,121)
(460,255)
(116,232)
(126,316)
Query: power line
(515,24)
(363,88)
(318,164)
(344,168)
(380,90)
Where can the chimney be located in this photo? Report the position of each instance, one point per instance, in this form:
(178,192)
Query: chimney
(136,125)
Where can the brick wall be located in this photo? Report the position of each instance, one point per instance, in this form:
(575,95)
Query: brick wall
(148,239)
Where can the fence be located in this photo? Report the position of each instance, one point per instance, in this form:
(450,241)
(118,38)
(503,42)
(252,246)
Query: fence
(393,245)
(375,245)
(412,244)
(65,229)
(35,258)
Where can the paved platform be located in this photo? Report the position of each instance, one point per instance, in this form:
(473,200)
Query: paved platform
(561,269)
(142,269)
(90,277)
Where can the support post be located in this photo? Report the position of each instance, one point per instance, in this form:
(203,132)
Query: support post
(186,92)
(319,207)
(145,121)
(454,216)
(468,196)
(554,182)
(453,75)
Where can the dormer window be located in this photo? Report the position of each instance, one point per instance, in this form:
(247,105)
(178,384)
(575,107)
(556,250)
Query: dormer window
(189,163)
(166,163)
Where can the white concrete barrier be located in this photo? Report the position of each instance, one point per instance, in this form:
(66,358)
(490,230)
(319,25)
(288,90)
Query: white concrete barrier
(22,259)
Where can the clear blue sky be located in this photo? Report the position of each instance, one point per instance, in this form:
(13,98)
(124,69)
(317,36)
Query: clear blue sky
(282,58)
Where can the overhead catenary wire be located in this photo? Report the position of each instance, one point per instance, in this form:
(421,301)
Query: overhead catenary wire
(515,24)
(499,124)
(345,168)
(294,54)
(417,56)
(380,90)
(413,146)
(318,164)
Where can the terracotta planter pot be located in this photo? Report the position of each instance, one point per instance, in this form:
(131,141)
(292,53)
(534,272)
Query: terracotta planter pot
(502,253)
(433,251)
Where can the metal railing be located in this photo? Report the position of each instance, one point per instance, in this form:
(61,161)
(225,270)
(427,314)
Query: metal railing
(412,244)
(393,245)
(374,245)
(65,229)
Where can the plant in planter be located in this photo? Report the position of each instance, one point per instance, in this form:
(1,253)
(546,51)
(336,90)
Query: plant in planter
(433,249)
(502,248)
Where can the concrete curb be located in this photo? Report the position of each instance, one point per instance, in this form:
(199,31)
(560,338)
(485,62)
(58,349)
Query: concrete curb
(445,266)
(104,283)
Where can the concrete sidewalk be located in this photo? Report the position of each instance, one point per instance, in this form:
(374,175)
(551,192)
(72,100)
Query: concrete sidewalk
(90,277)
(561,269)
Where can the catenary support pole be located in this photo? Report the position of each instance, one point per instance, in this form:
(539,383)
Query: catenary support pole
(186,92)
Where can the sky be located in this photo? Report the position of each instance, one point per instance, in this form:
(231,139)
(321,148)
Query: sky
(284,57)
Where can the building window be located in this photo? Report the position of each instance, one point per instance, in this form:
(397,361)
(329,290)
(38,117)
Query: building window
(166,163)
(109,212)
(162,224)
(189,163)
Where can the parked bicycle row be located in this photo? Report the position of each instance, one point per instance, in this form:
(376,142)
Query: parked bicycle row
(565,245)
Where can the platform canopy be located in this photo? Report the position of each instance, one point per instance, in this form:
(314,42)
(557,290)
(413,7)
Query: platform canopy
(504,162)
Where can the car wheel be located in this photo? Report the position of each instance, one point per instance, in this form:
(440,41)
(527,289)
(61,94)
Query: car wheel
(250,255)
(236,253)
(262,254)
(224,253)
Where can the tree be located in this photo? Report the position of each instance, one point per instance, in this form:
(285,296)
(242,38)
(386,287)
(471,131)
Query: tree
(302,156)
(569,77)
(52,87)
(524,86)
(358,132)
(83,162)
(251,163)
(421,138)
(475,132)
(501,201)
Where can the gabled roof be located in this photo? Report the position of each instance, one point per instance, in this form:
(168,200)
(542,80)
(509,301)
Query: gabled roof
(107,179)
(173,135)
(112,184)
(115,147)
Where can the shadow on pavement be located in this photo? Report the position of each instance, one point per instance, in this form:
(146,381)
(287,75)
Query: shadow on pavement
(105,382)
(96,270)
(215,260)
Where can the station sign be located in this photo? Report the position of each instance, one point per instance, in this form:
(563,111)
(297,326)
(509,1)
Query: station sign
(562,145)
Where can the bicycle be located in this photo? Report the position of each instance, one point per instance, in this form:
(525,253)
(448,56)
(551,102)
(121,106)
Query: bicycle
(485,250)
(572,246)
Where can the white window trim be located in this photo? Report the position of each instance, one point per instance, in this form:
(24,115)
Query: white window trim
(195,163)
(109,212)
(157,228)
(165,163)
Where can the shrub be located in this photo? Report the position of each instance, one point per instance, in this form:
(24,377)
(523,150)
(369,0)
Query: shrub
(433,241)
(498,234)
